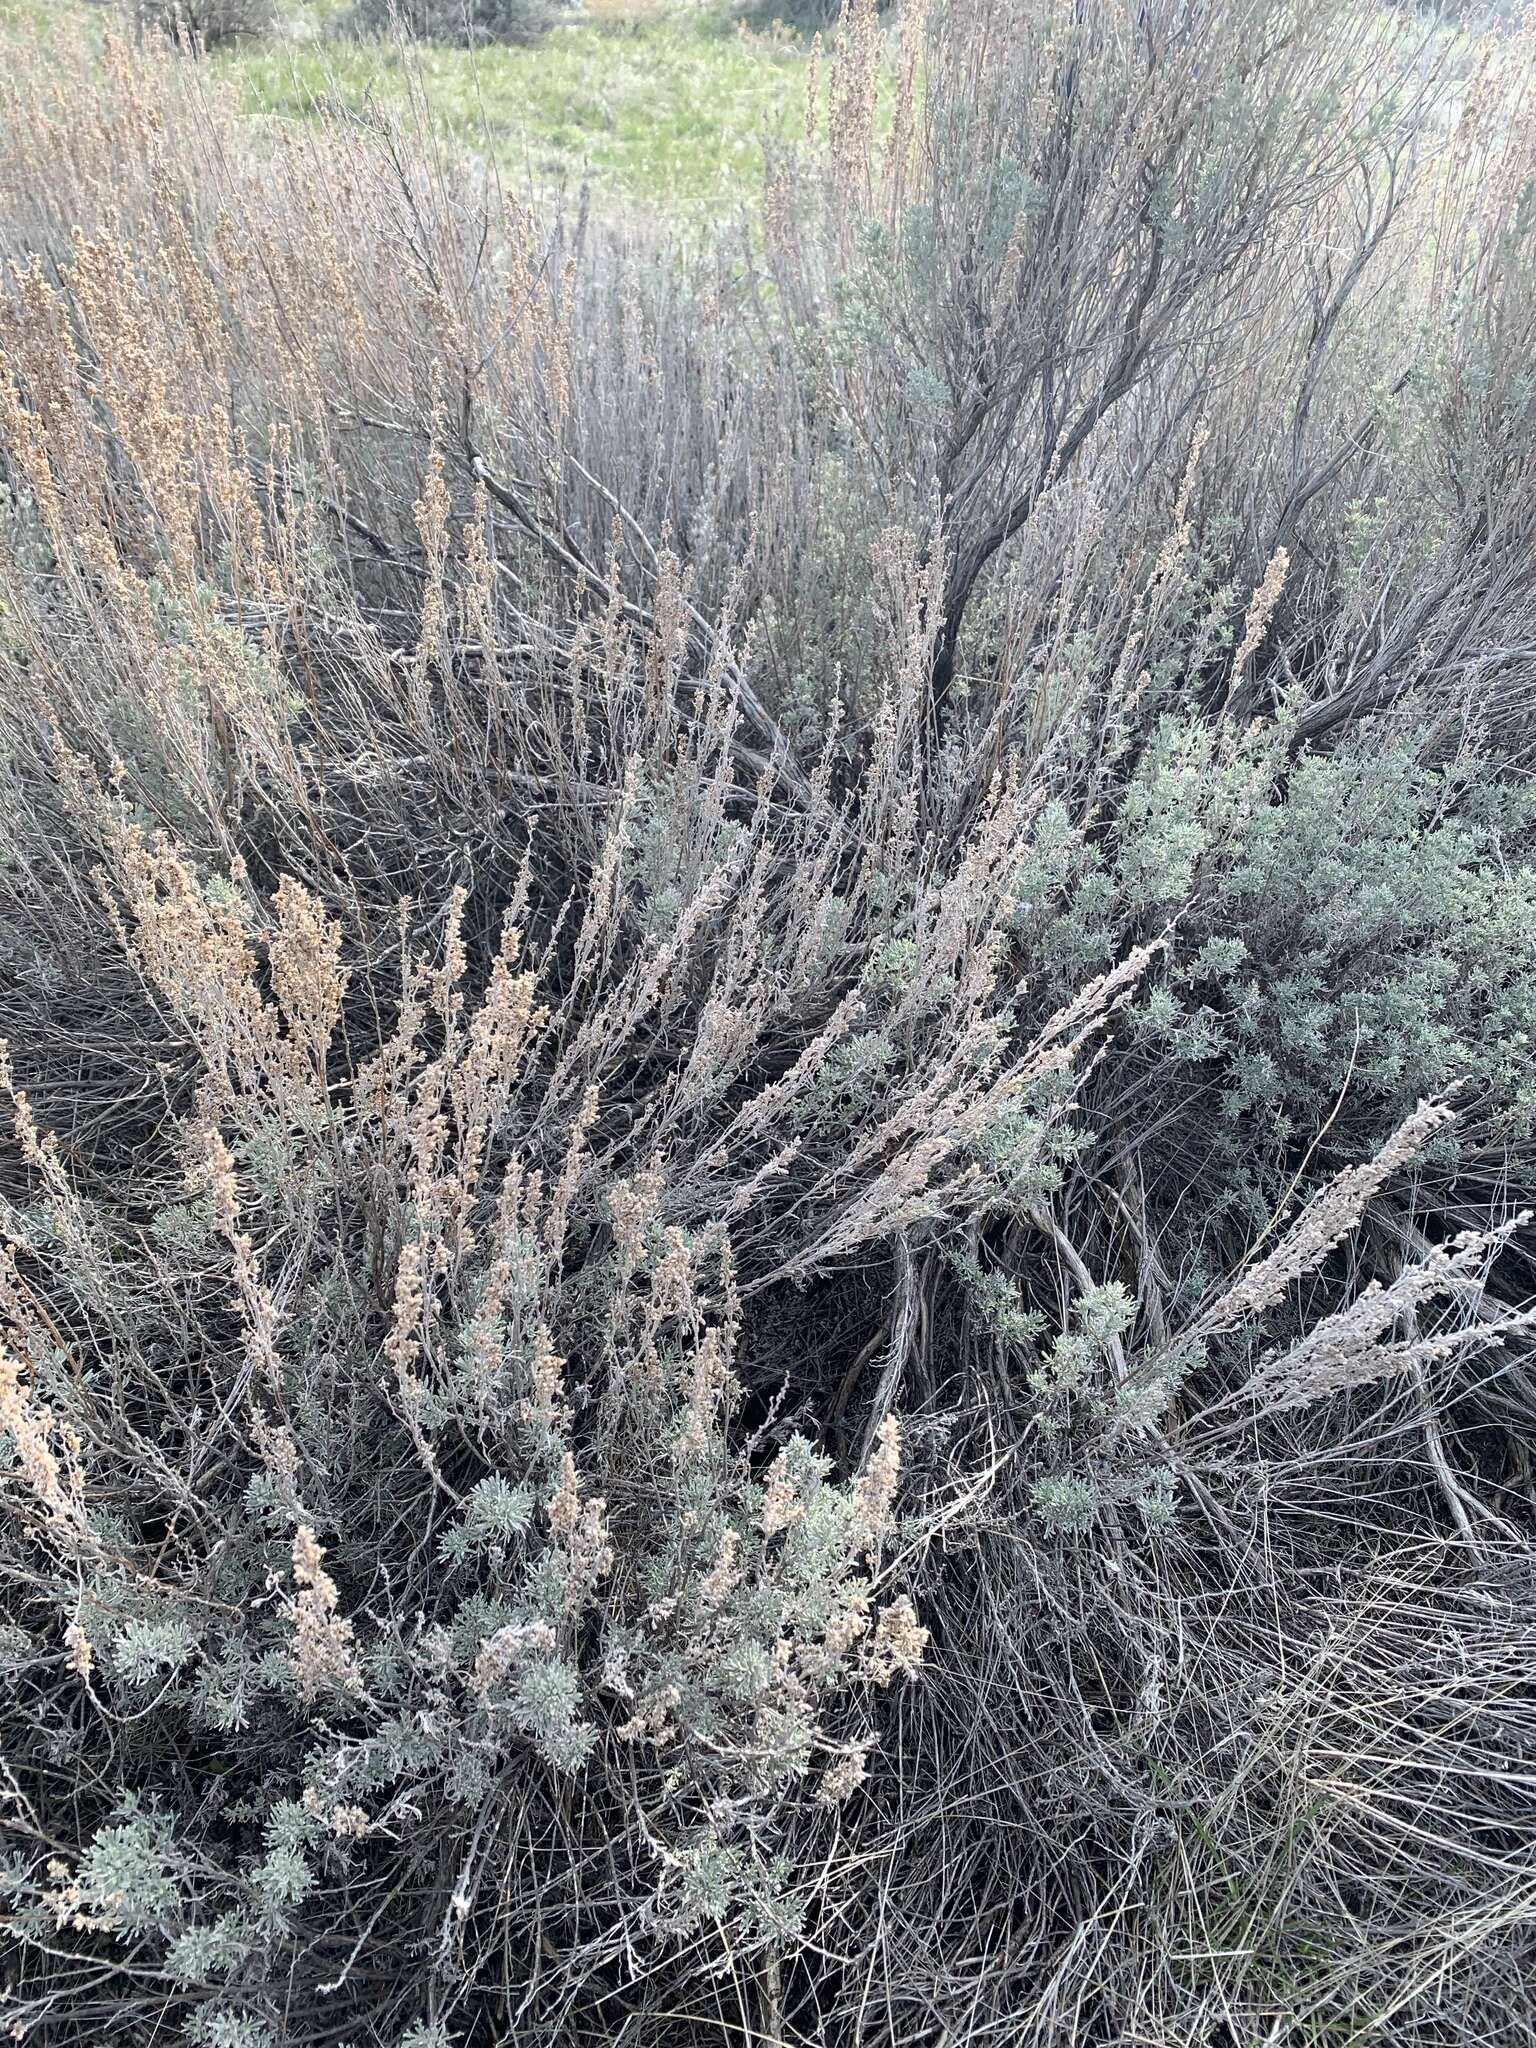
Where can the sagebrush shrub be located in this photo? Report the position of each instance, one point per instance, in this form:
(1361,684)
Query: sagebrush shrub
(205,23)
(765,1131)
(464,22)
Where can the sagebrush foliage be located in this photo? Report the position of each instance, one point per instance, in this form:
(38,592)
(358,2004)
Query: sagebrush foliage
(763,1262)
(466,22)
(204,24)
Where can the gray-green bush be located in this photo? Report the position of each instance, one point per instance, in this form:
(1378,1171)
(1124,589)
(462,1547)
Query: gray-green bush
(205,24)
(767,1127)
(465,22)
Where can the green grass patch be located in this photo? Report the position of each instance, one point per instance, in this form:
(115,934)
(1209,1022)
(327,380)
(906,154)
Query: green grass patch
(663,109)
(671,112)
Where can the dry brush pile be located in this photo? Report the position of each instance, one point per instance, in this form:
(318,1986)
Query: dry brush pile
(766,1082)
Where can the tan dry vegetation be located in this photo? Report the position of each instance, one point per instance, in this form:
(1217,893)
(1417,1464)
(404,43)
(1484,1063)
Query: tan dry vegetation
(764,1266)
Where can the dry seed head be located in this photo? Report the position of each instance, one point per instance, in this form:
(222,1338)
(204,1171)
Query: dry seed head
(1179,531)
(853,92)
(39,1149)
(81,1655)
(633,1207)
(899,1643)
(402,1346)
(30,1424)
(900,143)
(547,1406)
(346,1823)
(672,1283)
(432,510)
(502,1654)
(565,1505)
(652,1720)
(845,1776)
(580,1528)
(1260,611)
(709,1379)
(304,956)
(724,1575)
(323,1652)
(849,1624)
(1350,1349)
(1326,1221)
(591,1553)
(213,1170)
(276,1449)
(781,1508)
(570,1175)
(876,1489)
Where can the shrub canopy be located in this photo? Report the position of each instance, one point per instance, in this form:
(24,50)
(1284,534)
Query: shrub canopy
(766,1082)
